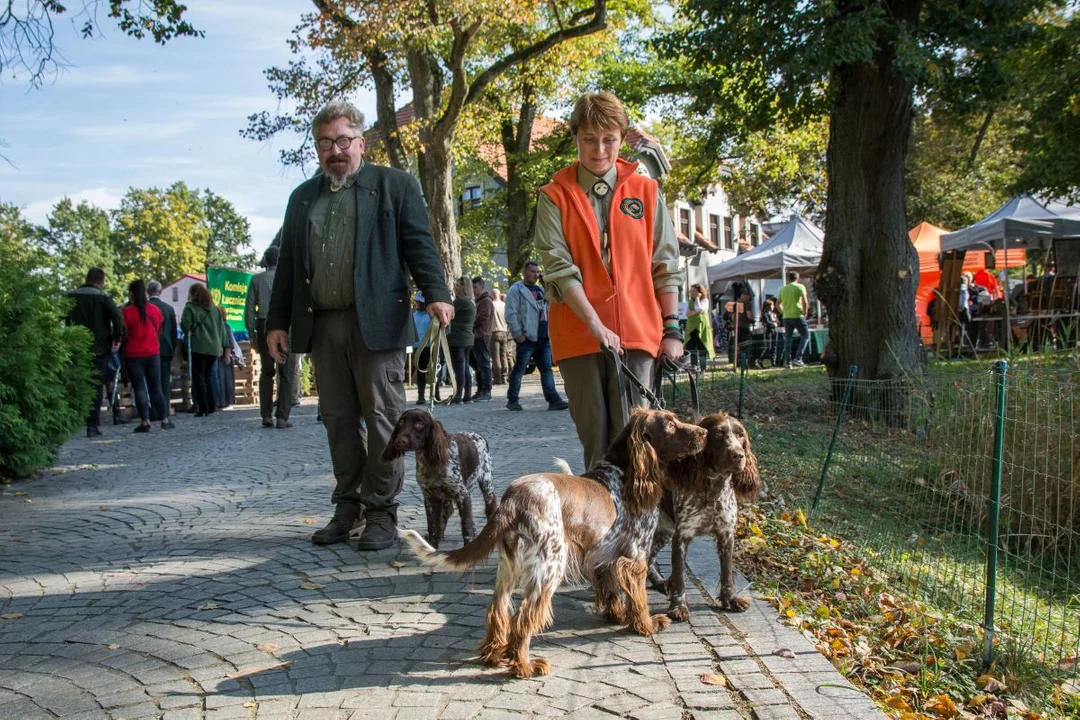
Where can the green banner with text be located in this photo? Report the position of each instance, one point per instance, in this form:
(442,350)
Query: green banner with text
(229,289)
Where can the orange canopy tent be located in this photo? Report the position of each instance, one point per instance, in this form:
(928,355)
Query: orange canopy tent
(927,241)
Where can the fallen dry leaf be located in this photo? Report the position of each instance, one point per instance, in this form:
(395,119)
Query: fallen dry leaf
(990,684)
(309,521)
(714,679)
(248,672)
(114,646)
(19,493)
(897,702)
(396,564)
(11,616)
(208,606)
(310,586)
(103,507)
(942,705)
(267,647)
(250,704)
(784,653)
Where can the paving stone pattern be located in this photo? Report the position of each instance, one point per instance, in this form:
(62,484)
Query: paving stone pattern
(145,569)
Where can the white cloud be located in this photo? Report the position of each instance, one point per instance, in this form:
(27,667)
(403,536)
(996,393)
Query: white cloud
(115,75)
(142,131)
(263,229)
(105,198)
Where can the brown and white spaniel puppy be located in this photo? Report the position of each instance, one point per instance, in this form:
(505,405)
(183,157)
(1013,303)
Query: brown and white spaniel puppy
(448,466)
(597,526)
(704,500)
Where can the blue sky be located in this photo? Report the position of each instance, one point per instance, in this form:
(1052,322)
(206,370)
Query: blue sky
(130,113)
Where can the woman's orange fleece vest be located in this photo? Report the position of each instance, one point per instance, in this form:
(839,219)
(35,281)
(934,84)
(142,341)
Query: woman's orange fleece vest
(625,300)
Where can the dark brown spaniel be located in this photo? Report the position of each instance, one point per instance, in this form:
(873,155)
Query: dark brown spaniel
(704,500)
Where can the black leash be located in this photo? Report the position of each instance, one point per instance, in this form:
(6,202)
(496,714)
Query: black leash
(672,368)
(626,378)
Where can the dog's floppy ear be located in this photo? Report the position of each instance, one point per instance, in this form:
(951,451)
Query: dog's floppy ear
(747,482)
(688,474)
(644,489)
(436,450)
(389,453)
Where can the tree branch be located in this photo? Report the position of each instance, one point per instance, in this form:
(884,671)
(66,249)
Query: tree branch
(979,138)
(596,23)
(444,129)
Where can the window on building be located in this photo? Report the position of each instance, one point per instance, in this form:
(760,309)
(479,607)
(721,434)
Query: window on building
(729,233)
(176,294)
(756,230)
(684,222)
(471,197)
(714,230)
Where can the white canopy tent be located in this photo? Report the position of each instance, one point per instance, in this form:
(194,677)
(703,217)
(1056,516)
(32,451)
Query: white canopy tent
(1021,222)
(795,246)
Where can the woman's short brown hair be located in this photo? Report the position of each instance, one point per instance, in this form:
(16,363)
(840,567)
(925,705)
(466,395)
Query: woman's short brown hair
(601,110)
(200,295)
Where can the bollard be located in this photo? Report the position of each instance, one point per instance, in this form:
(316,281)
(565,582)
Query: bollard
(999,369)
(836,432)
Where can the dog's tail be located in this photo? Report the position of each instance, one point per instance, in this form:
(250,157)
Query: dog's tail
(465,557)
(563,466)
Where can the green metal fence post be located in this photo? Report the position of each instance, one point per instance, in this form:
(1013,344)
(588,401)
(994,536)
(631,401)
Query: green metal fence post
(836,432)
(1000,369)
(742,385)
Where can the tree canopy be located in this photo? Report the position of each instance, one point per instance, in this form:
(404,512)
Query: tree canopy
(155,234)
(27,30)
(870,67)
(448,53)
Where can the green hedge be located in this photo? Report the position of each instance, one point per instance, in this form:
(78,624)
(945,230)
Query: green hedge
(46,385)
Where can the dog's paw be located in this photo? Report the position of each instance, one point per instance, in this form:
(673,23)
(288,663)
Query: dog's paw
(660,622)
(679,613)
(493,654)
(528,668)
(736,603)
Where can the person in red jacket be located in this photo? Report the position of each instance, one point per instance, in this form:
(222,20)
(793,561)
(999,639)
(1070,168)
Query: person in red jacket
(141,353)
(611,262)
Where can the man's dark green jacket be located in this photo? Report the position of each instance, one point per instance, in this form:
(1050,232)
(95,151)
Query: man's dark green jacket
(393,241)
(95,310)
(167,336)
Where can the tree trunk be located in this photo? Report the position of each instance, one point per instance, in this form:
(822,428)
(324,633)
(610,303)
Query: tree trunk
(869,268)
(515,145)
(436,175)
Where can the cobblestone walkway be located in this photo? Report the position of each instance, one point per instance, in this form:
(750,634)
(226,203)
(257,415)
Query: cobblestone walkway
(171,575)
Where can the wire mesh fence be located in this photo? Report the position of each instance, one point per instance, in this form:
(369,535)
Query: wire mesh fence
(910,482)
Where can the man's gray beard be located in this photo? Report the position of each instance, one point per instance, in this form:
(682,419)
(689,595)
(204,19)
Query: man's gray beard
(336,179)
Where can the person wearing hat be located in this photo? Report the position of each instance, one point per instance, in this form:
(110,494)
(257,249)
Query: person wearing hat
(255,312)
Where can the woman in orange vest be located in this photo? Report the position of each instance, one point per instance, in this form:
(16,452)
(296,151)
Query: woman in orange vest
(611,266)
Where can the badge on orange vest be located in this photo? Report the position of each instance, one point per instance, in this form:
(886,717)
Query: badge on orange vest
(632,207)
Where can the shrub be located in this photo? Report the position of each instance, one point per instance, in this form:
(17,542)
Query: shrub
(46,381)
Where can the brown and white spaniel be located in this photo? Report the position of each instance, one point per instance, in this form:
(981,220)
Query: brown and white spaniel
(597,526)
(448,466)
(704,500)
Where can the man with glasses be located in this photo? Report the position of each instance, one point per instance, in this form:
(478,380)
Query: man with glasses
(352,236)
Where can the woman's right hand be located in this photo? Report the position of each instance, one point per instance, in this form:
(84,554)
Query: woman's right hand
(605,337)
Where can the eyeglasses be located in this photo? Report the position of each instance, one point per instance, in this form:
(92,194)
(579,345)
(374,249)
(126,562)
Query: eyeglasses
(342,142)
